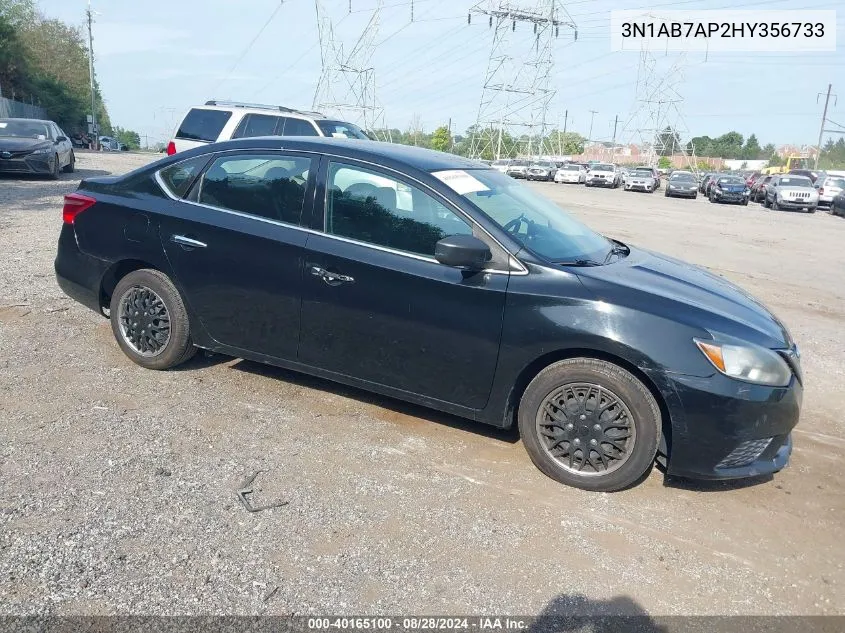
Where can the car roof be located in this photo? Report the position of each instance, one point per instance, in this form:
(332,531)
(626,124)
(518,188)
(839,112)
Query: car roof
(293,114)
(45,121)
(375,151)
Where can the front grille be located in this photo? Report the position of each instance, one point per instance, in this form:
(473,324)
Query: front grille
(745,453)
(13,166)
(800,195)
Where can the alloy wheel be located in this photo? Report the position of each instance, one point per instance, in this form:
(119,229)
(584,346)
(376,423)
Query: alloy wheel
(586,428)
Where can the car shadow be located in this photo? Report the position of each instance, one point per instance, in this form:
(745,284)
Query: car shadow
(510,436)
(576,612)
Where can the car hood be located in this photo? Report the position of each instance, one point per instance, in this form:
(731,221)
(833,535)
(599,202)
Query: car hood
(683,292)
(796,190)
(15,144)
(733,187)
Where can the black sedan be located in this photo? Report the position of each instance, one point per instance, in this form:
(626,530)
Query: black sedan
(729,189)
(431,278)
(837,205)
(682,184)
(32,146)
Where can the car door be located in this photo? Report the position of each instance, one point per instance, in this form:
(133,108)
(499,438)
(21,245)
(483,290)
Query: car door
(65,146)
(236,247)
(378,307)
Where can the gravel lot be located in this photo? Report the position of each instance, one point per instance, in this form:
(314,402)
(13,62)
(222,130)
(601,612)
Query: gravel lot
(117,484)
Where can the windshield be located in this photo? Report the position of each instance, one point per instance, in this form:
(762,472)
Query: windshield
(501,162)
(21,128)
(602,168)
(519,163)
(341,129)
(572,167)
(731,180)
(795,181)
(682,178)
(643,173)
(534,221)
(835,182)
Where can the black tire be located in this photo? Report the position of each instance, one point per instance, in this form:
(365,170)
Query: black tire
(54,175)
(695,197)
(178,347)
(745,203)
(712,199)
(642,413)
(811,210)
(71,166)
(775,206)
(766,201)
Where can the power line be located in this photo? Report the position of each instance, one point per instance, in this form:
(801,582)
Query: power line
(249,46)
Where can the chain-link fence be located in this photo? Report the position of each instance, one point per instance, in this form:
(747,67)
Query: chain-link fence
(15,109)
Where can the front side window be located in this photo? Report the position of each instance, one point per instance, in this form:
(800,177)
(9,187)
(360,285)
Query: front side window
(366,206)
(270,186)
(341,129)
(257,125)
(534,221)
(299,127)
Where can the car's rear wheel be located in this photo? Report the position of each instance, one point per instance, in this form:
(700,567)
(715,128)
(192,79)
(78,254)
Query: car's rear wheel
(590,424)
(775,205)
(149,320)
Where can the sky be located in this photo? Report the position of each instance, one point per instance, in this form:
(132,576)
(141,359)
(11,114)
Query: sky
(155,59)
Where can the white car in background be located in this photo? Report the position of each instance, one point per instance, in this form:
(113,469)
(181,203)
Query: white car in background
(501,165)
(541,171)
(223,120)
(641,179)
(603,175)
(572,173)
(829,187)
(518,169)
(787,191)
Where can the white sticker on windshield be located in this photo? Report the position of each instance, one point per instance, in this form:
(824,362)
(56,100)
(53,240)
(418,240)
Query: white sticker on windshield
(338,135)
(3,124)
(460,181)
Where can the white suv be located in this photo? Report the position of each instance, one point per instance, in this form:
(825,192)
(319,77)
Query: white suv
(224,120)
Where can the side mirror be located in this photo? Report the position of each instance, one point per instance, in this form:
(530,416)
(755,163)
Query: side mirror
(463,251)
(61,139)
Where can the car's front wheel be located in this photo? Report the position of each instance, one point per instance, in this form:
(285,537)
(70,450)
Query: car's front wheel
(775,205)
(590,424)
(149,320)
(69,168)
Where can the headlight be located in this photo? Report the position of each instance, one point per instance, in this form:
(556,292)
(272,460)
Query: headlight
(43,150)
(750,363)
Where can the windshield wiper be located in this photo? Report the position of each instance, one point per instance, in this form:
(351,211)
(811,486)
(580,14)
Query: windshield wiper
(579,262)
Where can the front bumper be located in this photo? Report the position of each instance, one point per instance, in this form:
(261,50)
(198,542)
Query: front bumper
(682,193)
(599,182)
(568,179)
(802,204)
(727,429)
(27,164)
(638,186)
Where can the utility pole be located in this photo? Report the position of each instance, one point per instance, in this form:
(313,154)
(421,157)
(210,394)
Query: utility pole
(560,138)
(96,134)
(592,116)
(824,120)
(613,145)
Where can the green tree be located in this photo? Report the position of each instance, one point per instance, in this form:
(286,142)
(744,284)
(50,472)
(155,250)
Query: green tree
(130,138)
(667,142)
(441,140)
(767,151)
(775,160)
(751,150)
(664,162)
(703,145)
(728,145)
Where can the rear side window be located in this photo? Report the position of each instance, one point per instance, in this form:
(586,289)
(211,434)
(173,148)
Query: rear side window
(203,125)
(178,177)
(269,186)
(299,127)
(258,125)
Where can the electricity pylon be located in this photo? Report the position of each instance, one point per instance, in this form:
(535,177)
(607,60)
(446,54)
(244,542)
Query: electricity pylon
(514,110)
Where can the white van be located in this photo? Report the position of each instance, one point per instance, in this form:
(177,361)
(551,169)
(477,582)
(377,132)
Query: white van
(224,120)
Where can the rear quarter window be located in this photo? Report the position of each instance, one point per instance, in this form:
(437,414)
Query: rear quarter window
(203,125)
(177,178)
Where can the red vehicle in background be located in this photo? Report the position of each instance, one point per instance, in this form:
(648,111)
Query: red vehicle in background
(752,178)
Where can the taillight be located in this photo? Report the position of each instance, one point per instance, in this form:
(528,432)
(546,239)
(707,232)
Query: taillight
(171,148)
(75,203)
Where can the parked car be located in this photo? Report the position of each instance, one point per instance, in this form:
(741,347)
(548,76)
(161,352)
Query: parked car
(603,175)
(642,179)
(790,192)
(703,182)
(541,171)
(828,188)
(571,172)
(223,120)
(501,165)
(729,189)
(837,205)
(682,184)
(751,178)
(469,293)
(35,146)
(812,174)
(517,169)
(758,189)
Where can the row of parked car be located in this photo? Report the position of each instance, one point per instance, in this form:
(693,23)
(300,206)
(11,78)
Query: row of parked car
(588,174)
(799,189)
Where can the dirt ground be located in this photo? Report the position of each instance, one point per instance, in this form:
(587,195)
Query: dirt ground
(117,484)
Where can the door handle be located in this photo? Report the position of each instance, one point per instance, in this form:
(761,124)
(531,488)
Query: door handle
(330,277)
(187,241)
